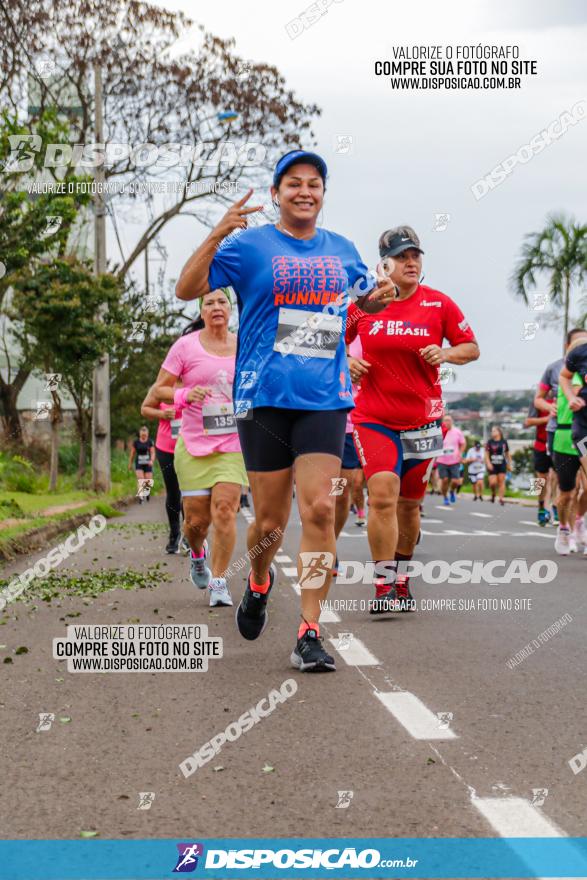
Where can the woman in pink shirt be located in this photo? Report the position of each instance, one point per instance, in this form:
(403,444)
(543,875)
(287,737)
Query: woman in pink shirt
(167,433)
(208,459)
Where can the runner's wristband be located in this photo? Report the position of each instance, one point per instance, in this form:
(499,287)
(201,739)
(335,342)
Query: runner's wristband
(180,398)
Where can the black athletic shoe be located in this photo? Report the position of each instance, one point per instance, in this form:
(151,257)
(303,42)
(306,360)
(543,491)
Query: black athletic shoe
(173,545)
(251,615)
(405,600)
(309,655)
(384,604)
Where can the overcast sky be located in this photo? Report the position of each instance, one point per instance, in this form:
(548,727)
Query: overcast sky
(416,154)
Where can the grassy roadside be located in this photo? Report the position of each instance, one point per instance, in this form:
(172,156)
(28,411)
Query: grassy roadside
(16,538)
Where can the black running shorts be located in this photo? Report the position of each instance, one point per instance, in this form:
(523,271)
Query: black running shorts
(542,462)
(271,438)
(566,467)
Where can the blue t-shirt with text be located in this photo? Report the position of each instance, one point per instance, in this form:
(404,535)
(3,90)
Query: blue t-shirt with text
(292,298)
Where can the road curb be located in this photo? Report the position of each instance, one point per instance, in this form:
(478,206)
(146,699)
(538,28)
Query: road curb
(38,538)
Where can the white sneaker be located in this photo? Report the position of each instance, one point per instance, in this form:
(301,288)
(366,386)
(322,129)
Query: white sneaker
(562,544)
(580,533)
(219,592)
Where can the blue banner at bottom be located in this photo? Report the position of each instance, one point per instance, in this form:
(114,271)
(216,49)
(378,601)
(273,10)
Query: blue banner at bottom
(293,857)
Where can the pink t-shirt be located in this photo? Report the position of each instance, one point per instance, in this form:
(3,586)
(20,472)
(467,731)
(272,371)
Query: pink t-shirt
(207,426)
(451,447)
(165,440)
(356,351)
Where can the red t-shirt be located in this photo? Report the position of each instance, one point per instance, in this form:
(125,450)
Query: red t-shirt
(400,389)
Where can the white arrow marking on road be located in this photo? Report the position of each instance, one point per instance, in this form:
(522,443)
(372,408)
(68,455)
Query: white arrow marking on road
(412,714)
(515,817)
(356,654)
(283,558)
(290,572)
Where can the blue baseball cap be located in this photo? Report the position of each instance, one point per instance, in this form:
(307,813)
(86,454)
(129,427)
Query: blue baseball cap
(294,158)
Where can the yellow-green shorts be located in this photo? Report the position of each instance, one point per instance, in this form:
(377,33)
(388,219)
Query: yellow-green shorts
(198,474)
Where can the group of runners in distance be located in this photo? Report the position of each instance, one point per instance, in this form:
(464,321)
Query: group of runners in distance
(560,449)
(317,332)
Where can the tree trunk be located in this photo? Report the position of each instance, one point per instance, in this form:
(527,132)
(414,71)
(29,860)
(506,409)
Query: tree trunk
(567,305)
(83,456)
(55,424)
(83,429)
(10,415)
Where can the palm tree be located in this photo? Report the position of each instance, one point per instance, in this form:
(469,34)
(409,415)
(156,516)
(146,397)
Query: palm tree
(560,251)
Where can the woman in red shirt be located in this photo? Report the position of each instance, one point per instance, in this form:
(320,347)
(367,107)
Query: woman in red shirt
(399,407)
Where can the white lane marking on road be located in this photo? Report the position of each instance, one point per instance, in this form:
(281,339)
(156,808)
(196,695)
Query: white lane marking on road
(527,522)
(412,714)
(515,817)
(282,558)
(327,615)
(443,506)
(289,572)
(348,535)
(449,533)
(436,522)
(484,515)
(356,654)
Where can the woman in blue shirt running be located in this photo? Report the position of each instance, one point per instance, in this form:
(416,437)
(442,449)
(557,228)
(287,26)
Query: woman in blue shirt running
(292,389)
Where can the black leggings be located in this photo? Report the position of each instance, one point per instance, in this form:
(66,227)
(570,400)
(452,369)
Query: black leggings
(173,493)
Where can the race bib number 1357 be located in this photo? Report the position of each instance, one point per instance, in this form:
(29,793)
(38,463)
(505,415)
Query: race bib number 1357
(219,418)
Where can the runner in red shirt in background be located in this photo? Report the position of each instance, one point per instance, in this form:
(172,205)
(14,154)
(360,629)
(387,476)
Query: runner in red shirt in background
(399,406)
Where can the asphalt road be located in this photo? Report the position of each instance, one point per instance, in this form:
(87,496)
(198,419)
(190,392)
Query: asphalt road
(506,734)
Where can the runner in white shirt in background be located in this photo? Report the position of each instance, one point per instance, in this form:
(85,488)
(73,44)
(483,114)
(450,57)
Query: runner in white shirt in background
(475,458)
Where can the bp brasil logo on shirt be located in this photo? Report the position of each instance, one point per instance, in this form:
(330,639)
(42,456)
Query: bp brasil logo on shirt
(398,328)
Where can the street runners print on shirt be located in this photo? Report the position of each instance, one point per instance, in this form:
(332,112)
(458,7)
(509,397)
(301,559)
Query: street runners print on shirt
(292,297)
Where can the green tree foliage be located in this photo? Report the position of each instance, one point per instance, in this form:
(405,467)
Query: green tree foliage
(559,253)
(33,228)
(53,314)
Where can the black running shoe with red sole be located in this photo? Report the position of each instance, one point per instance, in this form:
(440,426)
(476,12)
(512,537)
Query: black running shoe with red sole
(384,604)
(405,600)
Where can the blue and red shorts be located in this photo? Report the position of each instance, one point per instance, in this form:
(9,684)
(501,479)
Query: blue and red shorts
(381,449)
